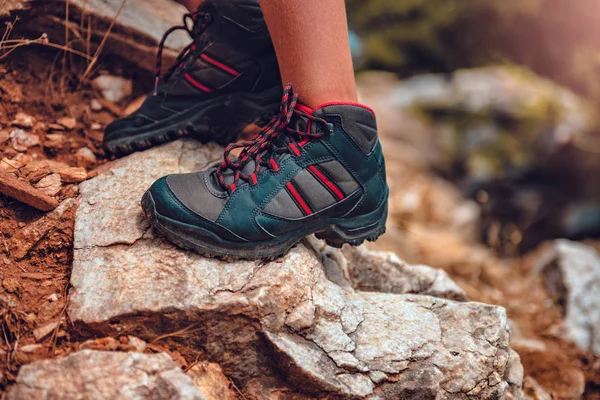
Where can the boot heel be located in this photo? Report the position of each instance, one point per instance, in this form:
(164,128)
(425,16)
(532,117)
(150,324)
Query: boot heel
(354,231)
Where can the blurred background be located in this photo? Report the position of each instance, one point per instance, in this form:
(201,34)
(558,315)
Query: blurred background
(487,114)
(505,93)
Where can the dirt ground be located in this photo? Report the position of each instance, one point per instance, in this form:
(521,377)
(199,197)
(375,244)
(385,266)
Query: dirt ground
(35,266)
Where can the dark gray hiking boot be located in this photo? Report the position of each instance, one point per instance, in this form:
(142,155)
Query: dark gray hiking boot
(309,171)
(227,78)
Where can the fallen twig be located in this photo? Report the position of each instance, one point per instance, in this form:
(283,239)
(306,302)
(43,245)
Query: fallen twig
(180,333)
(10,45)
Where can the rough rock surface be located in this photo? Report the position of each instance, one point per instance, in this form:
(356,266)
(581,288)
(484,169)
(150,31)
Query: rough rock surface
(293,324)
(90,374)
(572,275)
(211,381)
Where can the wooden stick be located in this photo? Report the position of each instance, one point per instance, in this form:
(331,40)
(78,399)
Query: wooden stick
(22,191)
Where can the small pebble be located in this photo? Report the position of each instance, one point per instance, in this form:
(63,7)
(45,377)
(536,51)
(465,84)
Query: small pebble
(22,140)
(68,122)
(85,155)
(31,348)
(23,120)
(11,285)
(95,105)
(50,185)
(56,127)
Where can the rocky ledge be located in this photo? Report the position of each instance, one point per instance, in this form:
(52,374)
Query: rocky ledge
(318,322)
(90,374)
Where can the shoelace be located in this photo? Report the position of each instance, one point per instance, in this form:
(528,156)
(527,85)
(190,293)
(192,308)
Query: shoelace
(257,149)
(193,31)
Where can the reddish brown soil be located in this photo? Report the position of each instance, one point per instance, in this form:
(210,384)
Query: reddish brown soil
(28,285)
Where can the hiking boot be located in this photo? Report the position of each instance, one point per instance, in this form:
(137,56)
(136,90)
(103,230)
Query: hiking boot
(309,171)
(227,78)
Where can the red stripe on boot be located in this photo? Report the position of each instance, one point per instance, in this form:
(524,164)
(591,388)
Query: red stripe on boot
(298,198)
(194,82)
(219,64)
(332,186)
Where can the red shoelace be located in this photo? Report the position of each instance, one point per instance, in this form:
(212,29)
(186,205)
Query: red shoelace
(257,149)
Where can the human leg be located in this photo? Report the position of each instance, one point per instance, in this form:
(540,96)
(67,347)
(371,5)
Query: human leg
(313,49)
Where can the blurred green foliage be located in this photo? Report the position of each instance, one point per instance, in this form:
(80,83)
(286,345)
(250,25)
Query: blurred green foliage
(556,38)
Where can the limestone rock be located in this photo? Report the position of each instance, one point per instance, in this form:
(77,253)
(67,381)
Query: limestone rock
(282,325)
(385,272)
(90,374)
(113,88)
(572,276)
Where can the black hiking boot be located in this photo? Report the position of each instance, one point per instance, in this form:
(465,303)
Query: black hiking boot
(309,171)
(225,79)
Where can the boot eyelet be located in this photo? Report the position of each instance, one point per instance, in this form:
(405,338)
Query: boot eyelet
(331,128)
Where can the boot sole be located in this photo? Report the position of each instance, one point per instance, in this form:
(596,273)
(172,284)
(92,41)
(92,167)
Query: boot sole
(335,231)
(220,120)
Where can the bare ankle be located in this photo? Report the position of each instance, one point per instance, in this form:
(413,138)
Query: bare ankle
(191,5)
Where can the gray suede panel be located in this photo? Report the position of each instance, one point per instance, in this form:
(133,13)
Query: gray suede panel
(358,122)
(314,193)
(340,176)
(192,191)
(283,206)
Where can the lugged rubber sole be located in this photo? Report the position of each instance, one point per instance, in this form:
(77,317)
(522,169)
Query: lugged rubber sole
(335,231)
(220,120)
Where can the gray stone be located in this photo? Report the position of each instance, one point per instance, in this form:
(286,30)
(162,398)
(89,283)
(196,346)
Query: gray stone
(90,374)
(280,325)
(385,272)
(571,273)
(113,88)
